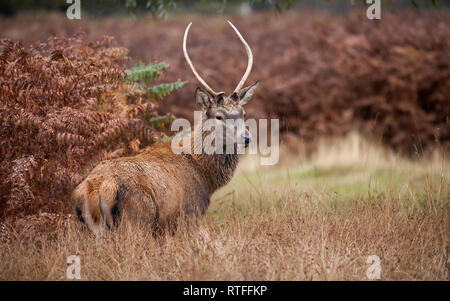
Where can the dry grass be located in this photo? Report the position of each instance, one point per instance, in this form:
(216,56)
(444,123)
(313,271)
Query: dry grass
(303,219)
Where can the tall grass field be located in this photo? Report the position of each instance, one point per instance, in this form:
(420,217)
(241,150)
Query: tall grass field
(315,218)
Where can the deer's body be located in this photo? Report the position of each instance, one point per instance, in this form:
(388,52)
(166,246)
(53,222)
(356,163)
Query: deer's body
(158,186)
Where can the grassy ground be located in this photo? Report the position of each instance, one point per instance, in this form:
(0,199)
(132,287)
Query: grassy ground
(314,219)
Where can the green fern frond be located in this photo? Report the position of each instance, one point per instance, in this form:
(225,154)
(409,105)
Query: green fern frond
(158,121)
(142,73)
(162,90)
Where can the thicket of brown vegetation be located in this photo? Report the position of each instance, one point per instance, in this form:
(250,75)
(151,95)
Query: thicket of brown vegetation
(320,74)
(327,75)
(64,107)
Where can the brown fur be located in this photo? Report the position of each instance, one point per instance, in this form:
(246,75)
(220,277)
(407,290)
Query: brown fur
(157,186)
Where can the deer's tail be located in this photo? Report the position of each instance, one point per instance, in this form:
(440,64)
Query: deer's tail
(96,203)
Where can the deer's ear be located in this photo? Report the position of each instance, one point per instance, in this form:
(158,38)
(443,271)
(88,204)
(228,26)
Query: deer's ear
(202,99)
(246,94)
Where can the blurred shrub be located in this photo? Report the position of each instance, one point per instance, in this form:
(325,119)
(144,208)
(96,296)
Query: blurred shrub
(163,7)
(326,75)
(11,7)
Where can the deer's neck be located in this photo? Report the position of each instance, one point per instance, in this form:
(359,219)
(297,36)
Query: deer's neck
(217,169)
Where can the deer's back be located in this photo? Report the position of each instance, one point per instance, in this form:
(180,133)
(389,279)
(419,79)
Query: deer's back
(156,185)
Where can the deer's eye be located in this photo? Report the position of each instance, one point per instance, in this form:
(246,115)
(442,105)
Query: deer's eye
(218,117)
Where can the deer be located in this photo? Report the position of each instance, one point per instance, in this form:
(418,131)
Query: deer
(158,186)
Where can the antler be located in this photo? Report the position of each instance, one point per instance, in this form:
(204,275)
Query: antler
(250,60)
(202,82)
(186,55)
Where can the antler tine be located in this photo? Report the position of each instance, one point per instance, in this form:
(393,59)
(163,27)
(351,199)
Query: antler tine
(250,59)
(186,55)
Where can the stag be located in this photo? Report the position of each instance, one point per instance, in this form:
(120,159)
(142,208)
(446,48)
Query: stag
(159,186)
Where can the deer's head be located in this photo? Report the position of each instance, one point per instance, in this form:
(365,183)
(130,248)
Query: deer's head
(226,111)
